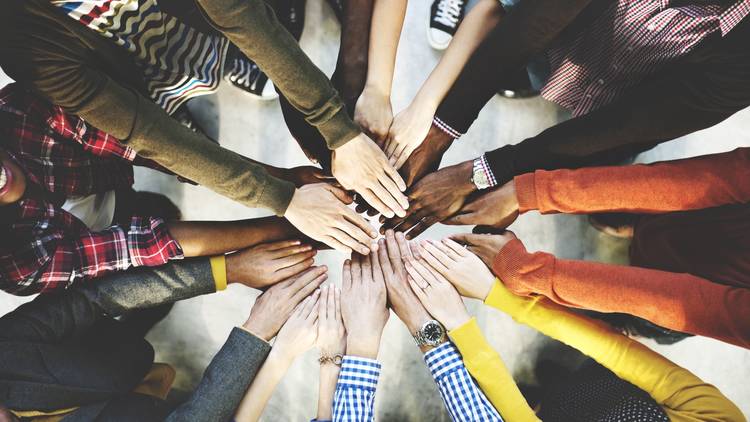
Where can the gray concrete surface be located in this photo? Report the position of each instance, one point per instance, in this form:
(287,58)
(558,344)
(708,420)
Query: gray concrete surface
(196,328)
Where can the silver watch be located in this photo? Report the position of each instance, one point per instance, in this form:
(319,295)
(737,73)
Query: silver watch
(479,176)
(432,334)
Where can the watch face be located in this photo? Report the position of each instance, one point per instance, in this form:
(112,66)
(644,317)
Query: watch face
(338,359)
(432,332)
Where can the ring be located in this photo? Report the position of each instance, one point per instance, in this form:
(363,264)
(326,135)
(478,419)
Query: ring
(466,246)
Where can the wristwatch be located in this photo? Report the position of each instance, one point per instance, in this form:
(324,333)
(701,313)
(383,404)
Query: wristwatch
(432,334)
(479,176)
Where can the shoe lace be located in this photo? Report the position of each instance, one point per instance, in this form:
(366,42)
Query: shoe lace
(448,12)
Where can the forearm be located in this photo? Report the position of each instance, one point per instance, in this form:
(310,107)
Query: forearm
(479,22)
(487,368)
(260,391)
(329,374)
(205,238)
(694,183)
(677,301)
(677,390)
(253,27)
(351,67)
(387,21)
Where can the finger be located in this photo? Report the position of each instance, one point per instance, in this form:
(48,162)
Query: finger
(296,283)
(403,156)
(464,238)
(294,269)
(414,249)
(415,275)
(397,179)
(383,259)
(346,276)
(411,221)
(280,252)
(391,145)
(323,304)
(389,199)
(376,203)
(356,271)
(366,269)
(336,244)
(436,250)
(274,246)
(423,224)
(425,271)
(463,220)
(337,296)
(395,192)
(350,242)
(455,247)
(299,310)
(360,222)
(418,291)
(403,245)
(432,261)
(330,302)
(357,239)
(309,288)
(310,303)
(289,260)
(394,252)
(377,271)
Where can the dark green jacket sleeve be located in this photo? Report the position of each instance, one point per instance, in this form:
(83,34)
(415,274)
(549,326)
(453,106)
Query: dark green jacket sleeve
(253,27)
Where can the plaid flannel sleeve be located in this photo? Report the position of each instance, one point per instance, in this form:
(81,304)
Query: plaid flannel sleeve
(146,242)
(355,390)
(462,397)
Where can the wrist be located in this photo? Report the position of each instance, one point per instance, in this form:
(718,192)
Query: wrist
(415,322)
(257,329)
(457,319)
(281,356)
(364,347)
(425,104)
(377,89)
(465,171)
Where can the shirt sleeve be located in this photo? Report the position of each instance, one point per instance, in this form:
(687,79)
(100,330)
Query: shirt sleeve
(463,399)
(694,183)
(487,368)
(678,301)
(684,396)
(354,398)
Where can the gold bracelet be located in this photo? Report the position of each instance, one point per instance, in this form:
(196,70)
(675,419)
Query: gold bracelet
(335,359)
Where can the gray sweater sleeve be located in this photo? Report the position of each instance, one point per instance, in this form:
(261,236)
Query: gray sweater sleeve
(225,380)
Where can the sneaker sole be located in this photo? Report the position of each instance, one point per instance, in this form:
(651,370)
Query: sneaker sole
(434,44)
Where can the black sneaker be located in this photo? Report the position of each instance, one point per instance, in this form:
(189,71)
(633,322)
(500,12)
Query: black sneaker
(445,16)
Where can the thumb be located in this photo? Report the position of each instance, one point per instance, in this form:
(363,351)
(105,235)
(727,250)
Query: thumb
(464,238)
(459,220)
(340,194)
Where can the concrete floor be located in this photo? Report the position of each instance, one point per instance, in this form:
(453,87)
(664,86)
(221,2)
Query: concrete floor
(196,328)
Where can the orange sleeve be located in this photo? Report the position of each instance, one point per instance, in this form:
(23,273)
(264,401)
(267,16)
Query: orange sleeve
(681,302)
(694,183)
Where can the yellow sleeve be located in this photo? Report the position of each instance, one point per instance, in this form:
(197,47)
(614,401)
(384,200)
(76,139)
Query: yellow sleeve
(488,369)
(219,271)
(683,396)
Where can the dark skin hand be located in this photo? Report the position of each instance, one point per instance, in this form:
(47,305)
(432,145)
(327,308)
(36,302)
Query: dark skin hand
(497,208)
(424,160)
(436,197)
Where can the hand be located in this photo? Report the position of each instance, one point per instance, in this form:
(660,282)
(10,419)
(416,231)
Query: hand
(463,269)
(276,304)
(373,114)
(497,208)
(434,198)
(409,129)
(269,263)
(361,166)
(437,294)
(363,308)
(391,254)
(331,331)
(320,211)
(426,158)
(300,331)
(485,246)
(305,175)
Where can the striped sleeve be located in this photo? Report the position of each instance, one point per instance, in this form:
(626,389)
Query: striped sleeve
(355,390)
(463,399)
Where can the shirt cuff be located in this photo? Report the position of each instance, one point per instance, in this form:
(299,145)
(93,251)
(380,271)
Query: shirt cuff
(446,128)
(443,360)
(357,372)
(526,192)
(487,171)
(219,271)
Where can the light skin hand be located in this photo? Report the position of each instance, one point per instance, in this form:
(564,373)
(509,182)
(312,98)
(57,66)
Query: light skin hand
(269,263)
(275,305)
(320,211)
(363,300)
(497,208)
(468,274)
(484,246)
(435,198)
(299,332)
(426,158)
(391,254)
(361,166)
(437,294)
(331,331)
(373,113)
(409,129)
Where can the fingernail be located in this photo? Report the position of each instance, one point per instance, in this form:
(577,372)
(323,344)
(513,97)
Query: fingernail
(373,234)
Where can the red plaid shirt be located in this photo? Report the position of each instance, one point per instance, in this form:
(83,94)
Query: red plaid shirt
(45,247)
(629,41)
